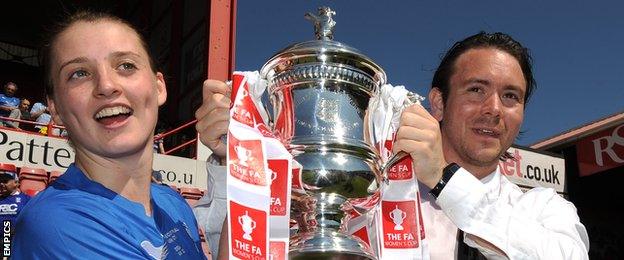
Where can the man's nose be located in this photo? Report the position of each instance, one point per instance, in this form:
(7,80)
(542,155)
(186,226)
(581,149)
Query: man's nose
(492,105)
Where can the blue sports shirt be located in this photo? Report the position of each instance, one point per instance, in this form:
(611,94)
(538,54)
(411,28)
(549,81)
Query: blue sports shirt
(8,101)
(76,218)
(11,205)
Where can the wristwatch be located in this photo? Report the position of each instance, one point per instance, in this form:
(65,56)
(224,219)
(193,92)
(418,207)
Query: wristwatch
(447,173)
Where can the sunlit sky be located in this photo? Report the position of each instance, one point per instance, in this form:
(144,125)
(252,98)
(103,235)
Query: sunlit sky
(577,46)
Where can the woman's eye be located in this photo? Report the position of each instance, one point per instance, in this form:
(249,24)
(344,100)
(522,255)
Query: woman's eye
(78,74)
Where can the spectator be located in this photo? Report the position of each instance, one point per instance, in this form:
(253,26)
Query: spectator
(158,178)
(22,112)
(11,199)
(39,113)
(8,101)
(158,146)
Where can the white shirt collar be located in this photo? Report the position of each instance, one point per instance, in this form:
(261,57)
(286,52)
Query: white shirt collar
(492,182)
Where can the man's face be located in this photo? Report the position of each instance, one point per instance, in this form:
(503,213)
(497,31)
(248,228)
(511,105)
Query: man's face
(484,109)
(10,90)
(24,105)
(7,186)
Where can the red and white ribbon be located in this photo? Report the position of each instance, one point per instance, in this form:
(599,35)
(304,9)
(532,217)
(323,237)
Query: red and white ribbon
(259,177)
(398,220)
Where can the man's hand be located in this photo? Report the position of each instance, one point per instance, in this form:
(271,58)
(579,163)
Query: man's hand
(214,116)
(7,108)
(419,135)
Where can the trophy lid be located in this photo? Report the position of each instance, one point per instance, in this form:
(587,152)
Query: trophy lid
(323,58)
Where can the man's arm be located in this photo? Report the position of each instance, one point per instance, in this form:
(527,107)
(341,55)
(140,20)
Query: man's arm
(7,108)
(224,249)
(538,224)
(161,147)
(211,209)
(213,116)
(213,121)
(15,114)
(36,115)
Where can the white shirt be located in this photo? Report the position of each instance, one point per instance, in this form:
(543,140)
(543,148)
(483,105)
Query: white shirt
(538,224)
(211,209)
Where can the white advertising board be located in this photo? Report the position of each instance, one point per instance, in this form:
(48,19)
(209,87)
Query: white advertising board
(55,154)
(181,172)
(203,152)
(36,151)
(534,169)
(529,168)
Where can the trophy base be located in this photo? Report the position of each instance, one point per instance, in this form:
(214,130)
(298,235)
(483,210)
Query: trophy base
(328,244)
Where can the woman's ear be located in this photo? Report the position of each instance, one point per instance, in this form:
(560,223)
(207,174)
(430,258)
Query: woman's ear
(53,112)
(437,104)
(161,87)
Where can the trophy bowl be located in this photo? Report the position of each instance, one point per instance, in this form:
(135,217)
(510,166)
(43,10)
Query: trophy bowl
(320,91)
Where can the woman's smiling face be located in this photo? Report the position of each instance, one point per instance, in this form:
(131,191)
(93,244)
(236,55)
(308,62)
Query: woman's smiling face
(105,91)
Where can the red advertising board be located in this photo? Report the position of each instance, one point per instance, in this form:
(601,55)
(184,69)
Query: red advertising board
(601,151)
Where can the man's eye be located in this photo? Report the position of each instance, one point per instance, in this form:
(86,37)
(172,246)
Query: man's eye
(512,96)
(78,74)
(127,66)
(475,89)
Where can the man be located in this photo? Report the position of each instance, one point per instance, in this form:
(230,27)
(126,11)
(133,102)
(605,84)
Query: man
(159,146)
(8,101)
(478,98)
(11,199)
(39,112)
(22,112)
(158,178)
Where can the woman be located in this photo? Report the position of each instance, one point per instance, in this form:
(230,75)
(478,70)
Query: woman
(103,87)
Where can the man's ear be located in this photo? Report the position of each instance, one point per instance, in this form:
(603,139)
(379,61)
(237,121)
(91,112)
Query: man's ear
(437,104)
(53,112)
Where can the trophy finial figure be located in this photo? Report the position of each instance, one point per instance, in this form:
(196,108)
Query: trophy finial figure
(323,23)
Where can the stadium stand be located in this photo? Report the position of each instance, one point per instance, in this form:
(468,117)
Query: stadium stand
(53,176)
(8,167)
(191,195)
(32,180)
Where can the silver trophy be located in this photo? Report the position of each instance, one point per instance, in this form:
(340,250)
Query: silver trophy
(320,92)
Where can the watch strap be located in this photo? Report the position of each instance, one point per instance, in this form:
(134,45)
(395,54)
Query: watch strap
(447,173)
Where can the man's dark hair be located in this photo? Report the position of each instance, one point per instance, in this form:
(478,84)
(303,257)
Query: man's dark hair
(10,83)
(499,41)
